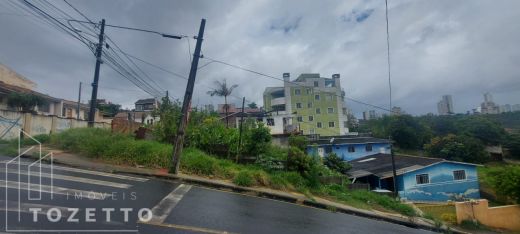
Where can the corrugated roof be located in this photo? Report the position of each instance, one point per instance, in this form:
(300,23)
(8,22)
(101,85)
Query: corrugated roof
(380,165)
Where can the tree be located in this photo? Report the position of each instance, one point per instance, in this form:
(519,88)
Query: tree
(408,132)
(169,113)
(333,162)
(487,131)
(25,101)
(109,109)
(223,90)
(457,148)
(513,145)
(252,105)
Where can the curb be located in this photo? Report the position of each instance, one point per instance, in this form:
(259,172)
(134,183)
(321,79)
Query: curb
(271,195)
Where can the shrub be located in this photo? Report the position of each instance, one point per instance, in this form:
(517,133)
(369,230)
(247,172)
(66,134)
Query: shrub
(299,161)
(449,218)
(244,178)
(505,181)
(333,162)
(299,142)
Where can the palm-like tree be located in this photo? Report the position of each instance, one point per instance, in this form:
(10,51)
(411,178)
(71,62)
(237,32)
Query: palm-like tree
(223,90)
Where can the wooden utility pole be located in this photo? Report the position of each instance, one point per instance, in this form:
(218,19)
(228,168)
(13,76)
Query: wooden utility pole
(240,133)
(99,53)
(179,139)
(79,101)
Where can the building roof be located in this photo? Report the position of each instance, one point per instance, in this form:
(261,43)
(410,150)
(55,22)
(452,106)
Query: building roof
(7,88)
(146,101)
(273,89)
(75,104)
(339,140)
(380,165)
(304,76)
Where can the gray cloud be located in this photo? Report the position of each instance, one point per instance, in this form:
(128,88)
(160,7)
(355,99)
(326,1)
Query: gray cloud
(437,47)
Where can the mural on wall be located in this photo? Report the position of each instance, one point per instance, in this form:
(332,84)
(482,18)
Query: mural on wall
(442,184)
(8,127)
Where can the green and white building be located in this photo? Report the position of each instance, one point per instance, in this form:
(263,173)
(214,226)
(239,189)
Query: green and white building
(310,104)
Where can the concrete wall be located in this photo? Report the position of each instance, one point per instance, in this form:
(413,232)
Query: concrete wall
(442,186)
(38,124)
(504,217)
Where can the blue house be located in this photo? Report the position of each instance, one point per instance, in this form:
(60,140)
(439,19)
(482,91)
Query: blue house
(348,147)
(418,178)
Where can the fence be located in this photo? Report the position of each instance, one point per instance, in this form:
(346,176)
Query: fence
(504,217)
(32,124)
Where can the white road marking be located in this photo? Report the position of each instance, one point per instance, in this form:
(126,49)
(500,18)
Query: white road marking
(35,172)
(165,206)
(90,195)
(24,208)
(72,169)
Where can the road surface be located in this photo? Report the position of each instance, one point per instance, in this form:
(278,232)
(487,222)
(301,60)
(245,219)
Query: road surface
(77,200)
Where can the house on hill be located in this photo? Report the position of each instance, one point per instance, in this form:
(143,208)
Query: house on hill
(348,147)
(418,178)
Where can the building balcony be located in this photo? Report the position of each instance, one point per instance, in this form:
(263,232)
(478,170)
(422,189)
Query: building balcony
(278,101)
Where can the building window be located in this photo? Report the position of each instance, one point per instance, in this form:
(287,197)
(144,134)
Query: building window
(270,122)
(317,97)
(316,84)
(311,118)
(298,105)
(328,149)
(345,124)
(297,92)
(309,105)
(459,175)
(351,149)
(299,118)
(318,124)
(422,179)
(368,147)
(311,131)
(330,110)
(331,124)
(318,111)
(329,98)
(308,91)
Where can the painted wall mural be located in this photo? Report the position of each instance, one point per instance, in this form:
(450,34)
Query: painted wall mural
(442,185)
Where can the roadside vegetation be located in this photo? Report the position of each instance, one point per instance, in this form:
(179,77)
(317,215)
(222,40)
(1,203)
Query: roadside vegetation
(288,170)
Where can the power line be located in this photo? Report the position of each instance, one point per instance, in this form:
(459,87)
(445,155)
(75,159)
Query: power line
(292,82)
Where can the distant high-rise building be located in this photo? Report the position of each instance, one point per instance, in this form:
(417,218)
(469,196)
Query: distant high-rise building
(515,107)
(397,111)
(488,106)
(505,108)
(445,106)
(368,115)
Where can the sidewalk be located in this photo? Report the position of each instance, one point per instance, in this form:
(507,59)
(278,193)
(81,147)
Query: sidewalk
(73,160)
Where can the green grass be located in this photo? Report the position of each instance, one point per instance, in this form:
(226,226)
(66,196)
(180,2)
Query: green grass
(444,212)
(366,199)
(124,149)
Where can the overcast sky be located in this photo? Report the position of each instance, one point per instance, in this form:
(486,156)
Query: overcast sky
(462,48)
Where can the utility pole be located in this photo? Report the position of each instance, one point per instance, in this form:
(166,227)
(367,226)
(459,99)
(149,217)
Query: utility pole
(179,139)
(393,169)
(93,99)
(240,133)
(79,101)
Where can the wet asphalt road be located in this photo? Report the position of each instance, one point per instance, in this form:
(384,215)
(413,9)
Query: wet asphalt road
(177,208)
